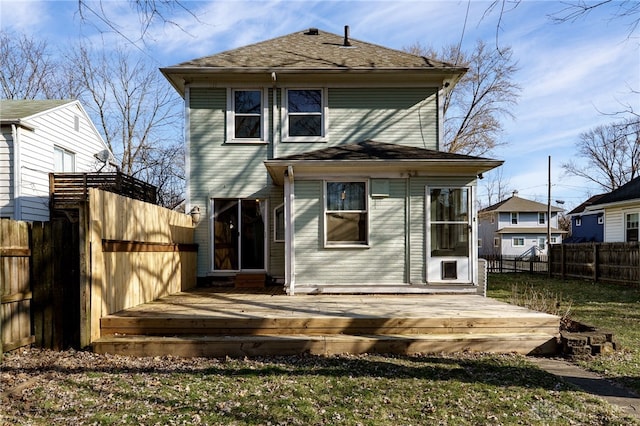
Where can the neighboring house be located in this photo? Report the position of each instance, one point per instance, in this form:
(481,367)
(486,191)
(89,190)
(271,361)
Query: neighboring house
(587,226)
(621,212)
(40,137)
(517,227)
(315,157)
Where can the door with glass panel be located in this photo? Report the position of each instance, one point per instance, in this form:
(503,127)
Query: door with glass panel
(238,235)
(448,235)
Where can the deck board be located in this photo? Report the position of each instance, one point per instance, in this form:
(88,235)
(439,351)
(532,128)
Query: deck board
(210,321)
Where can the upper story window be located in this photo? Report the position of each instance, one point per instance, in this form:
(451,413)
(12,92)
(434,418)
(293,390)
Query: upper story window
(632,221)
(245,115)
(346,213)
(542,218)
(305,115)
(63,160)
(514,218)
(578,221)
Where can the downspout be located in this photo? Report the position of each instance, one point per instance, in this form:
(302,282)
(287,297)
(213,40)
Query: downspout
(289,247)
(187,150)
(17,174)
(274,112)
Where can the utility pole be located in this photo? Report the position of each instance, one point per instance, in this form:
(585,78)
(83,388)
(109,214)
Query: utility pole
(549,207)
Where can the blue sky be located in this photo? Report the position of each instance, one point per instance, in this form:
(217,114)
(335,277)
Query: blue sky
(570,73)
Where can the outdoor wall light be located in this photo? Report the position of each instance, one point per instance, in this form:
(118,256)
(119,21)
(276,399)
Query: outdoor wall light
(195,215)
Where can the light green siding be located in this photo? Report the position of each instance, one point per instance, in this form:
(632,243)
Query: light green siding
(384,260)
(406,116)
(219,170)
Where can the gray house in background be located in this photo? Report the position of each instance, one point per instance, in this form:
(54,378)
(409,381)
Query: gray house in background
(39,137)
(517,227)
(314,160)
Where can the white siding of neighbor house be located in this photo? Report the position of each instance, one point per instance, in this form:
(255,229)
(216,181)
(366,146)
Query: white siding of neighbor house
(55,127)
(614,223)
(6,176)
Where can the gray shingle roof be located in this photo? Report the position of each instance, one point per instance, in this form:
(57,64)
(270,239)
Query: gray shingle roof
(372,150)
(627,192)
(517,204)
(19,109)
(314,50)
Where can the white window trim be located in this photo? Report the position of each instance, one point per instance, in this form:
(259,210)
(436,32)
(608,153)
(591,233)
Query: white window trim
(542,216)
(513,242)
(324,117)
(367,210)
(231,122)
(511,218)
(65,152)
(496,242)
(578,221)
(625,216)
(275,224)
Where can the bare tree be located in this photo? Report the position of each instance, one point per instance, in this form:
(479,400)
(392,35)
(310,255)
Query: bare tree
(497,187)
(148,11)
(474,108)
(612,154)
(573,10)
(27,70)
(137,113)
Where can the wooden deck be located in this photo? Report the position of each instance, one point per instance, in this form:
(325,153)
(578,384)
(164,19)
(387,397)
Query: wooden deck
(210,322)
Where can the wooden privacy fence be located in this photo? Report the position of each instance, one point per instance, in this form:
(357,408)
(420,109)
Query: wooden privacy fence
(135,252)
(503,263)
(15,289)
(610,262)
(39,281)
(58,278)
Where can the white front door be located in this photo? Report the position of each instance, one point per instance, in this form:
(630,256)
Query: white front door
(449,235)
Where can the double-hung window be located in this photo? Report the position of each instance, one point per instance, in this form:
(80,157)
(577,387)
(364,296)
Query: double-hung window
(632,224)
(346,213)
(305,115)
(245,118)
(542,218)
(514,218)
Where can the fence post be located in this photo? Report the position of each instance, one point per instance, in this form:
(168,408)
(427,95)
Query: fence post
(595,262)
(563,261)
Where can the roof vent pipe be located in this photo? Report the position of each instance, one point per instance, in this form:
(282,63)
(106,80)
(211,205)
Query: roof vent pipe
(346,43)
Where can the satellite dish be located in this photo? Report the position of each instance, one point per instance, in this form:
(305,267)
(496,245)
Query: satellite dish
(103,156)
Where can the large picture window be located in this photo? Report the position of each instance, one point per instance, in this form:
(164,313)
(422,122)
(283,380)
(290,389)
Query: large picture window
(304,114)
(449,212)
(346,216)
(246,116)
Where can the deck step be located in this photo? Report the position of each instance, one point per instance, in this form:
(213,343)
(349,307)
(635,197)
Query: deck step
(169,326)
(266,345)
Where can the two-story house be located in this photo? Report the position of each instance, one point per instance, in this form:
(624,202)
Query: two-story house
(621,212)
(517,227)
(587,226)
(39,137)
(314,159)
